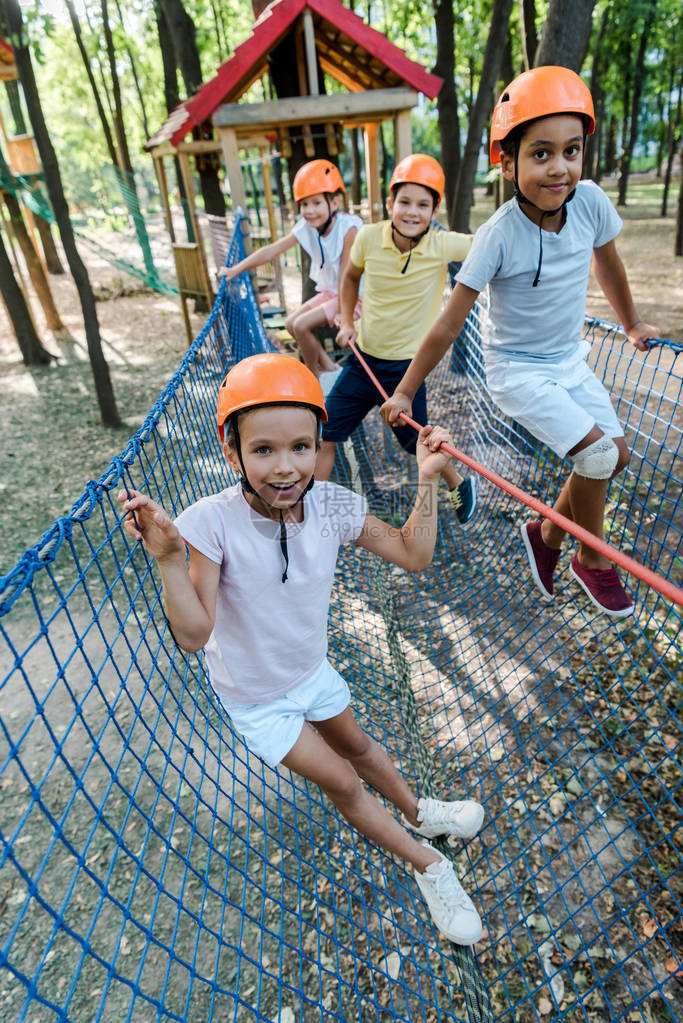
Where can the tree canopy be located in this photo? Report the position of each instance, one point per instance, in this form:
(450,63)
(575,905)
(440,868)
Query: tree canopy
(631,54)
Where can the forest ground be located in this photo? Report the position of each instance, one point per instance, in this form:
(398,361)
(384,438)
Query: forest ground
(52,438)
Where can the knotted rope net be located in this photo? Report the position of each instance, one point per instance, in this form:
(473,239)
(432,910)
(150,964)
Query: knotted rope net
(151,868)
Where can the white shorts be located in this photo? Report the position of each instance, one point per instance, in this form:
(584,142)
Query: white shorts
(271,729)
(558,403)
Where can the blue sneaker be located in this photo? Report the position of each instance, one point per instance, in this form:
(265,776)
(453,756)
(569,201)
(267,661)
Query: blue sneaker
(464,499)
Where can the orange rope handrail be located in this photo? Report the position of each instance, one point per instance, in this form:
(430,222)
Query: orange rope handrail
(657,582)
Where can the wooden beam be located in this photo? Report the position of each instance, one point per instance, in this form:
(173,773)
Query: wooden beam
(403,137)
(163,189)
(311,61)
(304,89)
(314,109)
(372,180)
(233,169)
(339,75)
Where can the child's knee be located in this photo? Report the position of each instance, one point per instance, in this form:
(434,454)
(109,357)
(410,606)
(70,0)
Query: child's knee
(624,455)
(290,323)
(346,787)
(597,461)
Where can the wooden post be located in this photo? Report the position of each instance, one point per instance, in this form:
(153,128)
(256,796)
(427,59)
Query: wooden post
(311,58)
(303,71)
(272,226)
(403,138)
(372,171)
(233,169)
(189,191)
(163,189)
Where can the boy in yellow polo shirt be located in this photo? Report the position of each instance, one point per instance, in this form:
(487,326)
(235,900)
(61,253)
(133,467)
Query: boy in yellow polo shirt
(403,262)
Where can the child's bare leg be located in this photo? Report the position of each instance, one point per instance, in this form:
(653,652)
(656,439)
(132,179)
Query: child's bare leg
(583,501)
(314,759)
(325,461)
(370,760)
(451,476)
(300,325)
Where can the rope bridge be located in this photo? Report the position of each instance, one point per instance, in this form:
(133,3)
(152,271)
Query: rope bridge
(152,869)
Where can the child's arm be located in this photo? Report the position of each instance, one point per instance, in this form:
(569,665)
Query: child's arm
(431,351)
(349,284)
(610,274)
(189,594)
(412,546)
(345,257)
(259,256)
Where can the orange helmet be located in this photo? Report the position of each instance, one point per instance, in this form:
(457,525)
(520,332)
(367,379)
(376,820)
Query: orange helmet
(419,169)
(268,379)
(540,92)
(316,178)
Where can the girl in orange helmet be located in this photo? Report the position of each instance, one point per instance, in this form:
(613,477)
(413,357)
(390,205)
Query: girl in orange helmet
(403,263)
(326,233)
(255,594)
(535,254)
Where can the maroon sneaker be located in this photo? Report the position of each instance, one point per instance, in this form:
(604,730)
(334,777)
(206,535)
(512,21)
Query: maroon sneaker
(604,588)
(542,558)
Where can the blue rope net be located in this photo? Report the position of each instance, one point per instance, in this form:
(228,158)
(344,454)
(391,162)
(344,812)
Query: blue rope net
(152,869)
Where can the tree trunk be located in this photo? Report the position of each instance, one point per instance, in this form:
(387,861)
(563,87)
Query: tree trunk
(52,260)
(125,167)
(134,70)
(108,137)
(447,101)
(33,265)
(384,171)
(183,34)
(638,80)
(591,156)
(674,121)
(32,351)
(566,34)
(483,106)
(527,22)
(172,97)
(356,175)
(610,159)
(53,181)
(678,242)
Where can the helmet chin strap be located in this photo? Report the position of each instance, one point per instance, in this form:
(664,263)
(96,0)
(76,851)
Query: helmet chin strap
(249,489)
(413,239)
(331,214)
(521,198)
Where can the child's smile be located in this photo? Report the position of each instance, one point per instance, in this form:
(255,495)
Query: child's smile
(279,447)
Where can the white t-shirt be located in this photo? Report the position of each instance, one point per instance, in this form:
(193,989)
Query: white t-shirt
(326,274)
(544,322)
(270,636)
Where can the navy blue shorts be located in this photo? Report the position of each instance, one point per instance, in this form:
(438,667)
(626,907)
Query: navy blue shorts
(354,394)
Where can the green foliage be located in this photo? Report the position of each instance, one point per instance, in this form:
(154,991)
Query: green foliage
(222,24)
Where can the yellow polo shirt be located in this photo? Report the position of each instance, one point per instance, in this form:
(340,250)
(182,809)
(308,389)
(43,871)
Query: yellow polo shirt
(399,308)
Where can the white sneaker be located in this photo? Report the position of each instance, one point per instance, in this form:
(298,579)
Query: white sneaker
(462,819)
(451,908)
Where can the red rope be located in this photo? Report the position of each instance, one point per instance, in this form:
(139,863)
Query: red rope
(657,582)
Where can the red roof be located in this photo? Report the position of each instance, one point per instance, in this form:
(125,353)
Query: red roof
(347,48)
